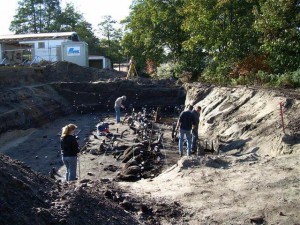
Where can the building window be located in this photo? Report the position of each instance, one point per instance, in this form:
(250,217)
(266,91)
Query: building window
(41,44)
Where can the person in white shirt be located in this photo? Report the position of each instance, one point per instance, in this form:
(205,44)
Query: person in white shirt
(118,106)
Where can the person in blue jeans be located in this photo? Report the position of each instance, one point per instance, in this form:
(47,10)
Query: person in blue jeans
(185,123)
(69,150)
(118,106)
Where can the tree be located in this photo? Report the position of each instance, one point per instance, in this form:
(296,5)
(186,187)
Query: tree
(107,29)
(36,16)
(86,34)
(279,23)
(110,43)
(71,20)
(224,28)
(154,31)
(131,48)
(166,26)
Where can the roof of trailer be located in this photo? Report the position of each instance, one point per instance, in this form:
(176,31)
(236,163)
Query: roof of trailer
(40,36)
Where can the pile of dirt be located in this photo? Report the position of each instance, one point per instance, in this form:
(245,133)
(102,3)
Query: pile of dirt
(70,72)
(27,197)
(16,76)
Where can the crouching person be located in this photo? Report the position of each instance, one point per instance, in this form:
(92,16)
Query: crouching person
(69,150)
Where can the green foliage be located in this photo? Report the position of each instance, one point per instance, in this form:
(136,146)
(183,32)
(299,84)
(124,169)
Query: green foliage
(222,28)
(168,70)
(296,77)
(154,31)
(36,16)
(133,49)
(165,71)
(220,41)
(71,20)
(85,32)
(108,31)
(110,43)
(214,72)
(289,80)
(265,78)
(286,80)
(279,23)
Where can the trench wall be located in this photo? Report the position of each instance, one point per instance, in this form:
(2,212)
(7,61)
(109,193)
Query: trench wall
(101,96)
(31,97)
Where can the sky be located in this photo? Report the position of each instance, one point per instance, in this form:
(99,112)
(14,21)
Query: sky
(92,10)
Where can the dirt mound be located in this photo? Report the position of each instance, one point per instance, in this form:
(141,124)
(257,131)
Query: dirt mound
(27,197)
(230,190)
(31,198)
(70,72)
(23,193)
(56,72)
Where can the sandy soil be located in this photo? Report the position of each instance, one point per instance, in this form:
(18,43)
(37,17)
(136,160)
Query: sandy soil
(230,190)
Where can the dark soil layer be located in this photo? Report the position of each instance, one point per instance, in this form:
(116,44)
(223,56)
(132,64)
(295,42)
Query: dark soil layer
(28,197)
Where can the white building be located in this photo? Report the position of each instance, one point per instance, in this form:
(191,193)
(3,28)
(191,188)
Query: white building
(34,47)
(99,62)
(49,47)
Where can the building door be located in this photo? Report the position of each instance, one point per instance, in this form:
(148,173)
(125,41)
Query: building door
(96,63)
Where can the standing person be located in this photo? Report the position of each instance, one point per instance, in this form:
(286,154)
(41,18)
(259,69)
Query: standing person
(132,69)
(185,123)
(118,106)
(196,113)
(69,150)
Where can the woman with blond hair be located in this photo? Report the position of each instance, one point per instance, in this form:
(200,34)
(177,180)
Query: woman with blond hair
(69,150)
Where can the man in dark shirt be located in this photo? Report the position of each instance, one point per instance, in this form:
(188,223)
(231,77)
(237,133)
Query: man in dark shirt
(196,113)
(185,122)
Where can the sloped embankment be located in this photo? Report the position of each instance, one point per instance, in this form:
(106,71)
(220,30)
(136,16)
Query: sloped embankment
(14,77)
(243,120)
(30,106)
